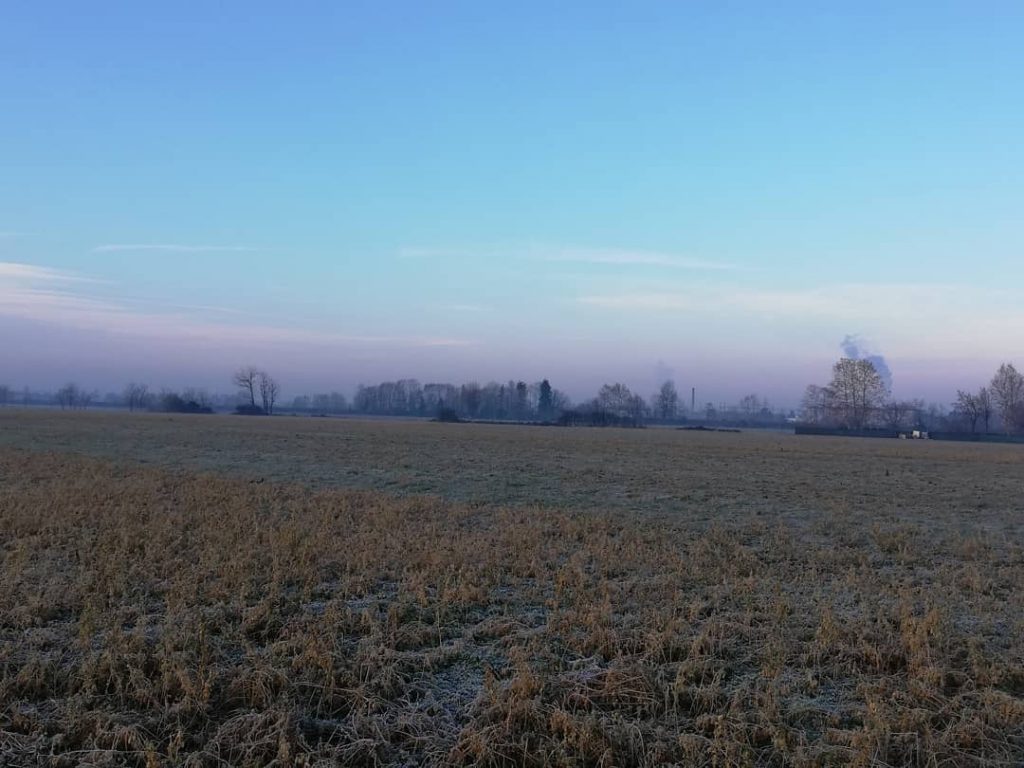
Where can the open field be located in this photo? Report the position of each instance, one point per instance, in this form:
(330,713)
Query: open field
(228,591)
(700,475)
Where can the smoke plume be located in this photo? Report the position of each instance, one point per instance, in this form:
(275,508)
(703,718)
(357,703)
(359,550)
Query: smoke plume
(855,348)
(663,372)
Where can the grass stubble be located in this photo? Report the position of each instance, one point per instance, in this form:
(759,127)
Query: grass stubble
(151,617)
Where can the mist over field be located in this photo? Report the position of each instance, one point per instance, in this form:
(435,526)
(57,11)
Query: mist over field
(45,356)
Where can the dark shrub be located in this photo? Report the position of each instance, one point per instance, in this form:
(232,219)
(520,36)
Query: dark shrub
(172,402)
(448,415)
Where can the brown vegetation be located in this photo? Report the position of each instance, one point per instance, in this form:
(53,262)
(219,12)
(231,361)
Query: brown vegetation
(699,475)
(156,618)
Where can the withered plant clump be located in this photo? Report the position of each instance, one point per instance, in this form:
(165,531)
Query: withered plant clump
(154,618)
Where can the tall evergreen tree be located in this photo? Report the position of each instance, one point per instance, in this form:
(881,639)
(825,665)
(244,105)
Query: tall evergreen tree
(545,403)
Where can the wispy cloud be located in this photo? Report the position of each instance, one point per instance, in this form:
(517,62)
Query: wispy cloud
(575,255)
(840,301)
(420,252)
(654,302)
(936,322)
(211,308)
(47,295)
(464,307)
(171,248)
(937,316)
(633,258)
(15,271)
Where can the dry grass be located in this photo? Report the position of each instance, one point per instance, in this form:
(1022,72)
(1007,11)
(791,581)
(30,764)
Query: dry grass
(152,617)
(697,475)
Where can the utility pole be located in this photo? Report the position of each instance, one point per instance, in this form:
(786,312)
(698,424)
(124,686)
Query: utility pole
(693,400)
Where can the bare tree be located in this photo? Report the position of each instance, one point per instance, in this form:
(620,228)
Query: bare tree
(615,399)
(933,417)
(247,380)
(968,408)
(751,404)
(68,395)
(199,396)
(269,391)
(86,398)
(470,397)
(984,400)
(5,394)
(136,396)
(817,405)
(899,414)
(665,404)
(637,409)
(560,401)
(858,391)
(1007,389)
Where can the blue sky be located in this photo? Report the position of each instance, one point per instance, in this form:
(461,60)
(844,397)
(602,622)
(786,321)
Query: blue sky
(343,192)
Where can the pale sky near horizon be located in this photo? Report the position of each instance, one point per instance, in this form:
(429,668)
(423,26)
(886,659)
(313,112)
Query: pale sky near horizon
(589,192)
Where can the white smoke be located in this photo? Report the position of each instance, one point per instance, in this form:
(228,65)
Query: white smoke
(663,372)
(856,348)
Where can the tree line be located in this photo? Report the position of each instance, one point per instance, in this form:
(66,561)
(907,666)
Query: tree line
(134,396)
(510,401)
(258,393)
(614,404)
(137,397)
(857,398)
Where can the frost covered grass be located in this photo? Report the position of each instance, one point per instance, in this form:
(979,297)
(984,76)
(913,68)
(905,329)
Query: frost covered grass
(153,616)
